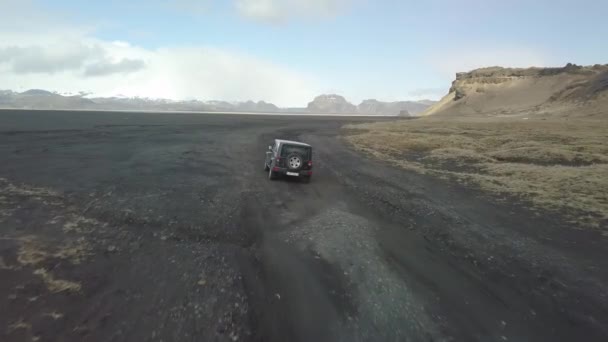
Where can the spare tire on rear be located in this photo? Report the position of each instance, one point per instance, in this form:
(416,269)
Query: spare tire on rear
(295,162)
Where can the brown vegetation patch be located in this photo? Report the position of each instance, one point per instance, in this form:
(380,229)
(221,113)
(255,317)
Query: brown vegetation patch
(557,164)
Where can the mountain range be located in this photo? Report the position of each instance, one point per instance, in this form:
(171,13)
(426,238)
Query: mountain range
(334,104)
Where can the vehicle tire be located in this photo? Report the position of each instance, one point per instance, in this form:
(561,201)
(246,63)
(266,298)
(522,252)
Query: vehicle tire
(271,175)
(266,168)
(295,162)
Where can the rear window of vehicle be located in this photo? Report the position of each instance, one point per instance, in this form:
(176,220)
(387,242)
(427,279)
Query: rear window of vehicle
(304,151)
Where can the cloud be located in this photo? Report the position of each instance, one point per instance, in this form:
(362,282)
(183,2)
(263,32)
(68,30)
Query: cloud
(277,11)
(109,68)
(264,10)
(105,68)
(210,73)
(64,57)
(47,59)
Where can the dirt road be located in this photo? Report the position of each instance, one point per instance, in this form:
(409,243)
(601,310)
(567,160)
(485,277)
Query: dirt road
(150,227)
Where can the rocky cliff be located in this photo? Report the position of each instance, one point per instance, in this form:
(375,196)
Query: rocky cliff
(569,91)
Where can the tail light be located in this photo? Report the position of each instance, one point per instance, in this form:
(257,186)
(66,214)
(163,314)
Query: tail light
(310,163)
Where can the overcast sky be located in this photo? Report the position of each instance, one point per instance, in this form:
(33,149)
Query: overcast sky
(286,51)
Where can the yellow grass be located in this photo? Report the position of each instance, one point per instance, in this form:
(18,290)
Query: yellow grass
(33,252)
(54,315)
(56,285)
(36,253)
(558,164)
(20,324)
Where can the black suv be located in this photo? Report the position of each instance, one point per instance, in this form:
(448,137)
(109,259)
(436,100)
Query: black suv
(289,158)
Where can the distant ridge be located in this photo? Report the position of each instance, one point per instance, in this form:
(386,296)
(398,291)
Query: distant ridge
(43,99)
(37,92)
(333,103)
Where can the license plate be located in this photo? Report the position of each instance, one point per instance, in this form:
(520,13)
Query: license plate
(293,174)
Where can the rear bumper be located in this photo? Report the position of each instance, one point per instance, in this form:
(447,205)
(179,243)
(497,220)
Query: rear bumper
(283,171)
